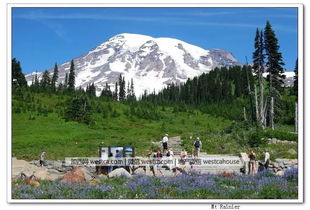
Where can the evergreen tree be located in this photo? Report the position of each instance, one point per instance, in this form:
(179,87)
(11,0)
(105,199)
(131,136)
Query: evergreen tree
(35,87)
(79,109)
(122,86)
(54,78)
(295,87)
(71,79)
(106,92)
(18,78)
(91,90)
(116,92)
(274,61)
(274,65)
(258,55)
(132,91)
(46,81)
(258,66)
(66,80)
(128,92)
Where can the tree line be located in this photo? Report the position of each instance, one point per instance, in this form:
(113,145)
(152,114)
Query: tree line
(224,85)
(231,92)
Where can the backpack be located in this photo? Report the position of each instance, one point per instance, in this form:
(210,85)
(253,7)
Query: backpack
(197,144)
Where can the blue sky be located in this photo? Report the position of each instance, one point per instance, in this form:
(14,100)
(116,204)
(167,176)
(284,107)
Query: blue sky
(43,36)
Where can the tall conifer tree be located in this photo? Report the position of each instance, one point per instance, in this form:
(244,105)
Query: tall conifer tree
(274,65)
(46,81)
(71,79)
(54,78)
(258,66)
(116,92)
(122,88)
(18,78)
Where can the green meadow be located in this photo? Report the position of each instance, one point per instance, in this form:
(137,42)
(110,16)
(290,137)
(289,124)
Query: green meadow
(38,125)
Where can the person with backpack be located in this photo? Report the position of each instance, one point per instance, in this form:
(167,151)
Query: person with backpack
(252,163)
(197,147)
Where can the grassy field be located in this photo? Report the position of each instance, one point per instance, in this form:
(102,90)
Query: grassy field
(65,139)
(33,133)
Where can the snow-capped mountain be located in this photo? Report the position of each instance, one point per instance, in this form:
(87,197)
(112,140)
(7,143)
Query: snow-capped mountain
(289,78)
(151,62)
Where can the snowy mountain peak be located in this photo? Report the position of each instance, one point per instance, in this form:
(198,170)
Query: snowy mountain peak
(151,62)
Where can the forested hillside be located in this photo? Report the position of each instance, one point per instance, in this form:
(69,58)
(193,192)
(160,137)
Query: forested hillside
(231,109)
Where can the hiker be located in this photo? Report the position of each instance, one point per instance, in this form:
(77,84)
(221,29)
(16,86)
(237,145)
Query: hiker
(117,156)
(165,143)
(197,146)
(252,163)
(183,154)
(267,160)
(42,159)
(176,167)
(159,155)
(169,153)
(170,158)
(110,167)
(151,165)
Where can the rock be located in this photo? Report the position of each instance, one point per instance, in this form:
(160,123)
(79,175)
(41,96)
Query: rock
(53,171)
(119,172)
(88,175)
(276,165)
(139,171)
(41,174)
(78,174)
(102,177)
(35,162)
(287,162)
(74,176)
(292,151)
(272,141)
(22,166)
(45,175)
(280,173)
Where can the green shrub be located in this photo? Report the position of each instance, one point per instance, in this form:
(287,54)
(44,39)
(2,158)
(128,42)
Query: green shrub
(279,134)
(256,138)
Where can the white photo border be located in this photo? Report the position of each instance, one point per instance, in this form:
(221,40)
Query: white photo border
(300,8)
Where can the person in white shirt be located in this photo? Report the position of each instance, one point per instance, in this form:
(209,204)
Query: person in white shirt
(267,160)
(42,159)
(165,143)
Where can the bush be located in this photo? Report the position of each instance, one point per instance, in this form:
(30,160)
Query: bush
(279,134)
(256,138)
(78,109)
(145,110)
